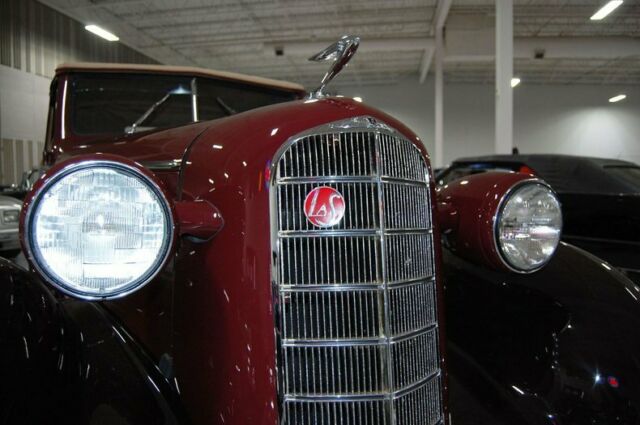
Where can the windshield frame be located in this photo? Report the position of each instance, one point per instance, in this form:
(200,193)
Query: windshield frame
(65,136)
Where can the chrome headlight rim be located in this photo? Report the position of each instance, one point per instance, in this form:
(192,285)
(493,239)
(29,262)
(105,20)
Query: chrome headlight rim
(137,172)
(496,222)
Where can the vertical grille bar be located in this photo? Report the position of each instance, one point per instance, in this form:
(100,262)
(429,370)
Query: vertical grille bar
(357,334)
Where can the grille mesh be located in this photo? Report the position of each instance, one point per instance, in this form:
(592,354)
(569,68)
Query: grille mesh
(357,330)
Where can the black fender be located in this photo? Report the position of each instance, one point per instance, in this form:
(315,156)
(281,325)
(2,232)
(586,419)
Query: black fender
(559,346)
(70,361)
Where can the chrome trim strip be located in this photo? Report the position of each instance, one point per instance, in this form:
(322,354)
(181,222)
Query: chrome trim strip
(361,341)
(358,232)
(356,286)
(411,388)
(407,182)
(349,179)
(362,397)
(169,165)
(326,233)
(325,179)
(332,287)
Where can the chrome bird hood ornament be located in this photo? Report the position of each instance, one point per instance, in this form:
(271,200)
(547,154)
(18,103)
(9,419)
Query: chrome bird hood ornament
(340,53)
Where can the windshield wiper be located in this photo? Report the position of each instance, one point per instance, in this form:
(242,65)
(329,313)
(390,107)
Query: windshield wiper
(132,128)
(228,109)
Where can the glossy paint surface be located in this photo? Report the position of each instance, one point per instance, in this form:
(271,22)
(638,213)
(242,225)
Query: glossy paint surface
(467,208)
(558,346)
(224,328)
(607,226)
(211,309)
(67,361)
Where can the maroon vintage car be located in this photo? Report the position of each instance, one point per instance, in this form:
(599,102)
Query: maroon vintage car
(212,248)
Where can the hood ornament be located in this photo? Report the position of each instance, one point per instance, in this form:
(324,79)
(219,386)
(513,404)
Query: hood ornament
(340,53)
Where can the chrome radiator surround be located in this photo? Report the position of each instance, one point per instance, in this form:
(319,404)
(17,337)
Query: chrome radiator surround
(355,304)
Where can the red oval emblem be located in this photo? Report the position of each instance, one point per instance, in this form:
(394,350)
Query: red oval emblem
(324,206)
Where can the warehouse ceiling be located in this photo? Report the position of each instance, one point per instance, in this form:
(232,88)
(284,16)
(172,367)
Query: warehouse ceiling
(273,38)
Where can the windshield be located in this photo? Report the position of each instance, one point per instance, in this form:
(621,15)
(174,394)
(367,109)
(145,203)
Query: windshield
(628,174)
(118,103)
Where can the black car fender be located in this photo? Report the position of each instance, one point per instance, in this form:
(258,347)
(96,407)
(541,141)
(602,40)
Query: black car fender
(70,361)
(558,346)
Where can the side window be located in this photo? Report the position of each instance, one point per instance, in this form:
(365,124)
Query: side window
(218,98)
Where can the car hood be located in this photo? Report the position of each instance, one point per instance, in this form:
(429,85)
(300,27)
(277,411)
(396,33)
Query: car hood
(158,146)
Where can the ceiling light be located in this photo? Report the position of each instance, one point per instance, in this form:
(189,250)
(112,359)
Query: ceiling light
(515,81)
(606,9)
(617,98)
(357,99)
(101,32)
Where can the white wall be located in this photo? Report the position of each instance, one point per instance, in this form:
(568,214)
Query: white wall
(24,99)
(574,119)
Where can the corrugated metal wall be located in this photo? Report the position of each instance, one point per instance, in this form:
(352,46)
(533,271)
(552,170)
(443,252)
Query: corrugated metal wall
(35,39)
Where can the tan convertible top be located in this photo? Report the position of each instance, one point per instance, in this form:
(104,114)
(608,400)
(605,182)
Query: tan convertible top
(182,70)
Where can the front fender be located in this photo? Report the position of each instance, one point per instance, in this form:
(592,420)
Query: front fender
(557,346)
(68,361)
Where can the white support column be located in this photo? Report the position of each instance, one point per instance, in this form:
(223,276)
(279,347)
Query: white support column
(439,101)
(504,73)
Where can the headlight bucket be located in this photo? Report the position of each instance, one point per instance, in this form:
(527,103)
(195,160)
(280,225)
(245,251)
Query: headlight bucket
(98,227)
(471,211)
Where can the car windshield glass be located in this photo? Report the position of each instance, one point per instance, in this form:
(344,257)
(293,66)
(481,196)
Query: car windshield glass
(111,103)
(217,99)
(117,103)
(628,174)
(458,171)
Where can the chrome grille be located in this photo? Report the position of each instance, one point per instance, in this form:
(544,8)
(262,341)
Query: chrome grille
(356,327)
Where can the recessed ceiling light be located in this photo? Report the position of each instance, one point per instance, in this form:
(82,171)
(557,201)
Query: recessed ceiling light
(515,81)
(618,98)
(357,99)
(101,32)
(606,9)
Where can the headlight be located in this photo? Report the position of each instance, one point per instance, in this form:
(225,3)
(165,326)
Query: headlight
(99,229)
(528,226)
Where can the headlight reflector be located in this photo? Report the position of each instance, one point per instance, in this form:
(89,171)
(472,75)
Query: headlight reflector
(528,227)
(99,229)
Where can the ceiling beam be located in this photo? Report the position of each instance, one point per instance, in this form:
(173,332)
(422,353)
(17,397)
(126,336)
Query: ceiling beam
(425,64)
(439,19)
(368,45)
(440,15)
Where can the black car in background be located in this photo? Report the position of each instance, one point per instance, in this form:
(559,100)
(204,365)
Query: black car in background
(600,199)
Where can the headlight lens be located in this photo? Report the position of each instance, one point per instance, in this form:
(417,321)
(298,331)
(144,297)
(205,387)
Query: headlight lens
(528,228)
(99,230)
